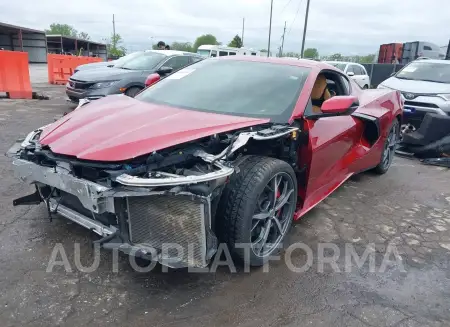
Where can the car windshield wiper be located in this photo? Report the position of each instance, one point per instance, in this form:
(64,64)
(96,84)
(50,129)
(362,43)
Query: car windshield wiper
(433,81)
(407,78)
(124,68)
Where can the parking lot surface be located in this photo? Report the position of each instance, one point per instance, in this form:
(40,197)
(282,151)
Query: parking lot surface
(408,208)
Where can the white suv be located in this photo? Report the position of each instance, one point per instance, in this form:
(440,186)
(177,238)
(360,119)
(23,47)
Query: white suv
(356,71)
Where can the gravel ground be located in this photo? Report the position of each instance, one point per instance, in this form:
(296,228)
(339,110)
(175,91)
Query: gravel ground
(409,208)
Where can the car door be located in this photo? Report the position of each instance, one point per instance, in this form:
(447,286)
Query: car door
(177,62)
(365,77)
(351,72)
(332,141)
(358,77)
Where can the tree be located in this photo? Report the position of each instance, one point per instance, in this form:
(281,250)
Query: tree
(367,59)
(62,29)
(236,42)
(311,53)
(291,54)
(84,36)
(204,40)
(114,48)
(182,46)
(336,57)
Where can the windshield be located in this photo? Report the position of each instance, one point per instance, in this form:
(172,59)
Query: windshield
(426,71)
(338,65)
(123,59)
(204,53)
(142,61)
(242,88)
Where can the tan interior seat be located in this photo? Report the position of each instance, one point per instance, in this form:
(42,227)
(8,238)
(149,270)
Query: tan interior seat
(320,92)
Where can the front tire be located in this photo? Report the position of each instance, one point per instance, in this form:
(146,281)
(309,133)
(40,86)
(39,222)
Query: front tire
(389,149)
(132,91)
(257,208)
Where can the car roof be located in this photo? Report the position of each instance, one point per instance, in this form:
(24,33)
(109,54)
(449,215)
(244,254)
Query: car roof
(282,61)
(172,52)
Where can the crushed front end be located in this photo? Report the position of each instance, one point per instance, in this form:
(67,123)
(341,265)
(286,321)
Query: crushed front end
(160,206)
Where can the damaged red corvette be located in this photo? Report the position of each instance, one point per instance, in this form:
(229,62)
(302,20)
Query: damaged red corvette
(228,150)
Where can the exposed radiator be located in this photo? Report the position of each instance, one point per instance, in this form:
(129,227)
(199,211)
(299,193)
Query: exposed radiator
(159,220)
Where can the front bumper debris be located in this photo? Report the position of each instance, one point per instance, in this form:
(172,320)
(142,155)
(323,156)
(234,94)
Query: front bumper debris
(157,215)
(175,226)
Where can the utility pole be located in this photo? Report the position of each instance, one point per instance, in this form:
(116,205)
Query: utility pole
(243,25)
(282,40)
(114,29)
(305,27)
(270,28)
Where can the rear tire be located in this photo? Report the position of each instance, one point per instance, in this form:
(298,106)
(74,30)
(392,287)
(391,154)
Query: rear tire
(132,91)
(251,211)
(390,145)
(365,87)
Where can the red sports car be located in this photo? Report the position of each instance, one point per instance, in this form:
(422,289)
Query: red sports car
(228,150)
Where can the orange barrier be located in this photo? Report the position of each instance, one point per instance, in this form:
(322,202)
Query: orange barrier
(15,75)
(61,67)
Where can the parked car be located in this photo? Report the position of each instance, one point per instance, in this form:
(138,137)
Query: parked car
(127,76)
(229,150)
(425,86)
(109,64)
(356,71)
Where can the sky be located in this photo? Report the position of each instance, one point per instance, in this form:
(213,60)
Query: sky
(350,27)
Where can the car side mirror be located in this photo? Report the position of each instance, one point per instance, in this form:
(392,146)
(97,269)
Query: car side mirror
(165,70)
(350,74)
(152,79)
(339,105)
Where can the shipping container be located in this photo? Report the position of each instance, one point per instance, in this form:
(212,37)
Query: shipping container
(389,52)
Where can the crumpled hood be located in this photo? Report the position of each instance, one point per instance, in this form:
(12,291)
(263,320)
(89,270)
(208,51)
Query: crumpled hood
(118,128)
(420,87)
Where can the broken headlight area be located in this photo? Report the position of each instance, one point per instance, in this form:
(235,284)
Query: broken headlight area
(160,206)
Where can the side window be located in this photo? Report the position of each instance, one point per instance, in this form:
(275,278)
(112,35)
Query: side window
(350,69)
(196,59)
(213,53)
(356,70)
(426,47)
(336,84)
(223,53)
(363,70)
(232,53)
(177,62)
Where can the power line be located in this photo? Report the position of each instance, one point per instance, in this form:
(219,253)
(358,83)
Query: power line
(295,17)
(287,4)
